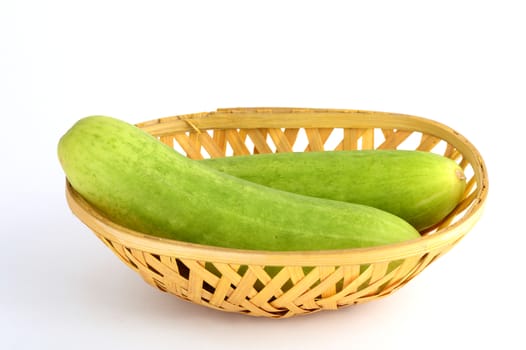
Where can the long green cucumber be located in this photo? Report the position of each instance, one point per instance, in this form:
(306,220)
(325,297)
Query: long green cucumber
(420,187)
(140,183)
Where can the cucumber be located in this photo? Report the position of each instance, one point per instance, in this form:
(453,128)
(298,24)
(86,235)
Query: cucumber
(138,182)
(420,187)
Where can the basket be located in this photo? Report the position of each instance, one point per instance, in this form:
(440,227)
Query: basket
(301,282)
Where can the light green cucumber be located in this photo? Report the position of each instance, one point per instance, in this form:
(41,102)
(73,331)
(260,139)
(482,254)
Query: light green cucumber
(420,187)
(142,184)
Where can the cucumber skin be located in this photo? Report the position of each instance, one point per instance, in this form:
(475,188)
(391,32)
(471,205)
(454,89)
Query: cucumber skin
(420,187)
(142,184)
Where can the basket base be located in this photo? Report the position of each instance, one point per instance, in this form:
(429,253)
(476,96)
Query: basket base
(277,292)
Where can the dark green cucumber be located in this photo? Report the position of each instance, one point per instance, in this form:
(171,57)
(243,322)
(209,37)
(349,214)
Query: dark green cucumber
(140,183)
(420,187)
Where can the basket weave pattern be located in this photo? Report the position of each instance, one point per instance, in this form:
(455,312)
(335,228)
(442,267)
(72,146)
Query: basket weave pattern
(274,284)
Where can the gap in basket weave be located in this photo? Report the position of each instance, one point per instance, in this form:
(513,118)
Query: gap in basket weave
(334,140)
(301,141)
(412,142)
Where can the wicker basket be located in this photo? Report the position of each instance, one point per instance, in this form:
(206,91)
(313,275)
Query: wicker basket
(238,280)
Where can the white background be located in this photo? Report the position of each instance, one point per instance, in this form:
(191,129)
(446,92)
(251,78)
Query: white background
(458,62)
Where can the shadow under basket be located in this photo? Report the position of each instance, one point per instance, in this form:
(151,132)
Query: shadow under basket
(285,284)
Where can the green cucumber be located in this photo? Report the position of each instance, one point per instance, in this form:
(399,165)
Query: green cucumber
(420,187)
(138,182)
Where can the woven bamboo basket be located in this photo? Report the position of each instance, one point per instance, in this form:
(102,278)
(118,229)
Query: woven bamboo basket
(239,280)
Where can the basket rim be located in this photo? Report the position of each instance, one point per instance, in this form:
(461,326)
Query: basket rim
(109,230)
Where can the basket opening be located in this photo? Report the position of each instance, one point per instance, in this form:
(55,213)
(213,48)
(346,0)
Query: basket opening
(440,148)
(335,139)
(174,144)
(411,142)
(208,287)
(184,271)
(154,270)
(300,140)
